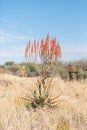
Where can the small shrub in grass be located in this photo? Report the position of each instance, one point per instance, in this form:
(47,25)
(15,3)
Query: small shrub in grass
(62,125)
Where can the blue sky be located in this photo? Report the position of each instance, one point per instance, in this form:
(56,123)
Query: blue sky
(21,20)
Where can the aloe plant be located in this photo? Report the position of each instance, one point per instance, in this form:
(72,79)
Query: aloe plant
(49,52)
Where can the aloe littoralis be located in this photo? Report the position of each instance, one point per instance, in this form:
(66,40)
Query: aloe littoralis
(48,51)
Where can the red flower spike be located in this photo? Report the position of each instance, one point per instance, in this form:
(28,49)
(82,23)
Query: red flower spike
(35,46)
(48,50)
(32,49)
(47,40)
(60,53)
(27,49)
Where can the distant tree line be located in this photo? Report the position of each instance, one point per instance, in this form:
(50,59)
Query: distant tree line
(60,68)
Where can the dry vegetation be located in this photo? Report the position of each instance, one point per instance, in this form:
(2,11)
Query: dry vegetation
(71,110)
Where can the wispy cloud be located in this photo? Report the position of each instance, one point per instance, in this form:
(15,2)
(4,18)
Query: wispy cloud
(12,56)
(8,23)
(6,36)
(5,20)
(74,52)
(81,48)
(12,53)
(8,31)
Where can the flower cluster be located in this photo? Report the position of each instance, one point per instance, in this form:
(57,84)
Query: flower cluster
(48,50)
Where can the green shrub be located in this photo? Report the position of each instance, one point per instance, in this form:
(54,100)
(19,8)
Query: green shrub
(13,69)
(9,63)
(30,69)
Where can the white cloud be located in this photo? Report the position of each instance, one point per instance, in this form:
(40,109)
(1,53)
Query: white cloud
(10,55)
(9,37)
(12,52)
(74,51)
(6,20)
(77,48)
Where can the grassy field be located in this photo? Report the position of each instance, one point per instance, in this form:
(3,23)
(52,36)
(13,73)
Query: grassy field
(71,113)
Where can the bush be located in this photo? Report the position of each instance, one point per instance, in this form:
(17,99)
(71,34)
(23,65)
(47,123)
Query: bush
(9,63)
(13,69)
(30,69)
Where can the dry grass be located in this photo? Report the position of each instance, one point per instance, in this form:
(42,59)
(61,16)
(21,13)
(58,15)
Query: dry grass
(72,105)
